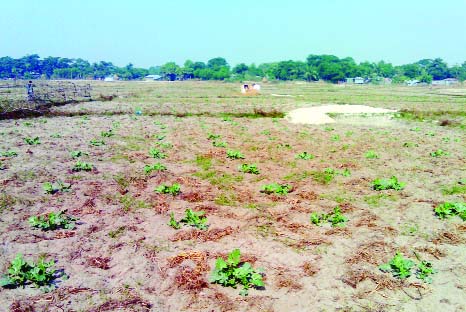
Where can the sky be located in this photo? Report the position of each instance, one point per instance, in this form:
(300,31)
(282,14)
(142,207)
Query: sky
(152,32)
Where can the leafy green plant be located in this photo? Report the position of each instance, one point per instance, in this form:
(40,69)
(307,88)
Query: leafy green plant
(2,166)
(53,221)
(384,184)
(275,188)
(157,154)
(438,153)
(336,138)
(371,155)
(95,142)
(173,223)
(246,168)
(219,144)
(59,186)
(164,144)
(213,136)
(107,134)
(410,144)
(159,137)
(196,219)
(174,189)
(336,218)
(233,272)
(8,153)
(424,271)
(398,266)
(55,135)
(32,141)
(82,166)
(155,167)
(77,154)
(449,209)
(21,273)
(304,155)
(234,154)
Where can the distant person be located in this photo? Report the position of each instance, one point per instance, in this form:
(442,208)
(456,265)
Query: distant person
(30,90)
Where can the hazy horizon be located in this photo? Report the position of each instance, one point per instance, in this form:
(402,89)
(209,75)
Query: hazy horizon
(147,33)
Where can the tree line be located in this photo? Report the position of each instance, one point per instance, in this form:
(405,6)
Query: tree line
(316,67)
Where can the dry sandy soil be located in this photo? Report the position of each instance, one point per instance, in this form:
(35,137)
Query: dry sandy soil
(123,255)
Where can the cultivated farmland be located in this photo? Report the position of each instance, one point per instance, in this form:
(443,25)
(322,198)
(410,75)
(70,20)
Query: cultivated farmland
(158,183)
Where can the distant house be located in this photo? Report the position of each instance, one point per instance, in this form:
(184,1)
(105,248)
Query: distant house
(152,77)
(413,82)
(445,82)
(355,80)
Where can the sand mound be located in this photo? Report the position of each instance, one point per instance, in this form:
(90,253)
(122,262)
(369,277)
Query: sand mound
(319,114)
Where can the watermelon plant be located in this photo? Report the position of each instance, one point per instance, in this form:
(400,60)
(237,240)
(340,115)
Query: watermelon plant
(387,184)
(233,272)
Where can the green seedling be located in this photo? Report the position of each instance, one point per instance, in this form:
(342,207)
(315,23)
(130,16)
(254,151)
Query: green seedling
(2,166)
(157,154)
(195,219)
(21,273)
(27,124)
(82,166)
(107,134)
(95,142)
(219,144)
(398,266)
(155,167)
(371,155)
(304,155)
(249,168)
(234,154)
(438,153)
(410,144)
(59,186)
(77,154)
(424,271)
(55,135)
(233,272)
(32,141)
(336,218)
(384,184)
(8,154)
(175,189)
(164,144)
(53,221)
(449,209)
(173,223)
(213,136)
(336,138)
(159,137)
(275,188)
